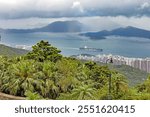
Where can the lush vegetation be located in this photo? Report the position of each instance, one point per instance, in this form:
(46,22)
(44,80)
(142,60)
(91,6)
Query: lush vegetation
(44,73)
(133,75)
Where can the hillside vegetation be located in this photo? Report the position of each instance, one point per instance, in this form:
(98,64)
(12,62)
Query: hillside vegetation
(9,51)
(44,73)
(134,76)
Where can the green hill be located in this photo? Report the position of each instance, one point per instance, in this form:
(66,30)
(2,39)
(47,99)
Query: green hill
(134,76)
(44,73)
(9,51)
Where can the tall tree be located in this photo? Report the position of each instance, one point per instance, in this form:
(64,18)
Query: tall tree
(44,51)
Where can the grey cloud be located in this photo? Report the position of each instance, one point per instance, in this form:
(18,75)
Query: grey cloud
(145,5)
(73,8)
(145,8)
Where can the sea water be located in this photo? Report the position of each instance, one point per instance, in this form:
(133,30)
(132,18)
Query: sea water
(69,43)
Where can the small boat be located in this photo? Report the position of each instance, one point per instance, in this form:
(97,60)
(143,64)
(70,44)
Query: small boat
(91,49)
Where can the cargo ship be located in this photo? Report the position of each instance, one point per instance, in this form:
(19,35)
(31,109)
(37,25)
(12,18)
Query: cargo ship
(91,49)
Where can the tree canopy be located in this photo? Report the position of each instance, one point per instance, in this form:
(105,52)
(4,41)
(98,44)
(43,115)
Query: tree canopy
(44,51)
(45,74)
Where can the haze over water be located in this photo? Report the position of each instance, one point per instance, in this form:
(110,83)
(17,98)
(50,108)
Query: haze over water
(70,43)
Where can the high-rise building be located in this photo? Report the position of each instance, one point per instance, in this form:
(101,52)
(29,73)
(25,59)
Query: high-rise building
(139,63)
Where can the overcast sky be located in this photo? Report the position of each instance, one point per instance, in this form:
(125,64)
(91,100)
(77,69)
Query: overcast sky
(100,14)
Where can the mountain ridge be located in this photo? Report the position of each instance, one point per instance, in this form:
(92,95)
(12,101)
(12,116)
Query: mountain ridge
(126,32)
(57,27)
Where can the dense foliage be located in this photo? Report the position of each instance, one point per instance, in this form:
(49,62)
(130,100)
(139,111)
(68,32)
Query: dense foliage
(134,75)
(44,51)
(45,74)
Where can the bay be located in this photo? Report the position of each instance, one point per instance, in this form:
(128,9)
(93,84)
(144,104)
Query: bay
(69,43)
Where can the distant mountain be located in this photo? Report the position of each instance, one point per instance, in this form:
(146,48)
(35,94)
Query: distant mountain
(62,26)
(9,51)
(126,32)
(57,27)
(2,30)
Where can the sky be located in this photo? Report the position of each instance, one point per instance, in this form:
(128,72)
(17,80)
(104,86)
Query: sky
(98,14)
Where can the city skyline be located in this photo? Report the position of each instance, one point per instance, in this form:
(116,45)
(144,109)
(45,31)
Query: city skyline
(139,63)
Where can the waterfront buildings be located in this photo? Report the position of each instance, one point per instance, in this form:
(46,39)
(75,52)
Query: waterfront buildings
(139,63)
